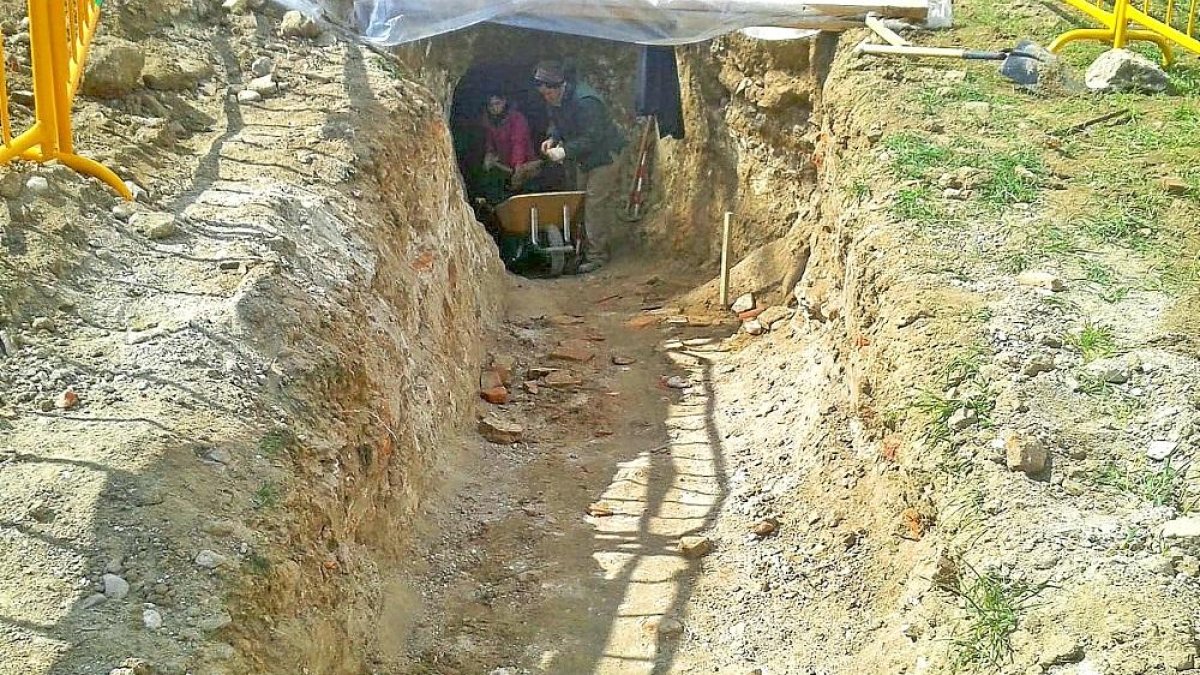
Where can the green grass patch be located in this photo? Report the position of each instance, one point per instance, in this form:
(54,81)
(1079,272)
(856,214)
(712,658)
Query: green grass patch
(1015,177)
(918,205)
(1094,341)
(1165,486)
(266,496)
(275,441)
(914,155)
(993,605)
(965,371)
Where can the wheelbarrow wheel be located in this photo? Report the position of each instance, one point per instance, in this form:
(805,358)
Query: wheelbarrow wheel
(558,259)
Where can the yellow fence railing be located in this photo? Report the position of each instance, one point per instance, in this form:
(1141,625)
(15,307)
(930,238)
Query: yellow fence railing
(60,33)
(1163,22)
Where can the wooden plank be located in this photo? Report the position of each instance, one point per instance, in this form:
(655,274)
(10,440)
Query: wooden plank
(890,36)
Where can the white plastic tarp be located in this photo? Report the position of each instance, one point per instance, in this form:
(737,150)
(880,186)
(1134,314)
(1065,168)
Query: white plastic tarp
(661,22)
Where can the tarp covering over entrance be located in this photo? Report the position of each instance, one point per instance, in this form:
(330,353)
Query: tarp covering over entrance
(661,22)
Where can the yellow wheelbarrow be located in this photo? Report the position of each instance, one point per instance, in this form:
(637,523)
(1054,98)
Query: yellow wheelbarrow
(542,232)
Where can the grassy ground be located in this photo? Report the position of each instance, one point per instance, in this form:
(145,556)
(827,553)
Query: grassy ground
(1090,204)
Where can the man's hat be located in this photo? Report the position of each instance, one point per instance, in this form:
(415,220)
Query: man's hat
(550,72)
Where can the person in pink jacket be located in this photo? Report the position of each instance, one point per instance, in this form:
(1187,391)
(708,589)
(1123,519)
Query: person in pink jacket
(509,145)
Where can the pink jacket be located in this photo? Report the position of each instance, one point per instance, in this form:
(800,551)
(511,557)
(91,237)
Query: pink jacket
(510,140)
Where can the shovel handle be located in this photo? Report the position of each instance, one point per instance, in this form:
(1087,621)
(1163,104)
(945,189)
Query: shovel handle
(944,52)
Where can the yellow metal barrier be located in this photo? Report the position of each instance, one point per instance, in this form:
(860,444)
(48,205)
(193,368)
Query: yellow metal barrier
(1162,22)
(60,34)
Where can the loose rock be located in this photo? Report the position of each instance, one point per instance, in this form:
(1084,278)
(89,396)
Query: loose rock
(573,350)
(1059,650)
(43,323)
(115,588)
(210,559)
(677,382)
(37,185)
(495,395)
(500,431)
(1160,450)
(765,527)
(744,303)
(151,619)
(1025,454)
(114,69)
(599,510)
(1041,280)
(961,419)
(92,600)
(67,400)
(296,24)
(1120,70)
(560,379)
(695,547)
(154,225)
(1187,528)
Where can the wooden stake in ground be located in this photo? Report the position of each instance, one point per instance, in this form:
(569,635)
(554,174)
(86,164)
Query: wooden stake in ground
(725,259)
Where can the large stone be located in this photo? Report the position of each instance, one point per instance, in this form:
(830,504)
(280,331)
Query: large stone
(744,303)
(1041,280)
(296,24)
(1108,370)
(560,379)
(774,315)
(115,587)
(1187,528)
(154,225)
(1025,454)
(114,69)
(1123,70)
(495,395)
(961,419)
(265,85)
(500,431)
(210,559)
(1060,649)
(174,75)
(1160,450)
(573,350)
(695,547)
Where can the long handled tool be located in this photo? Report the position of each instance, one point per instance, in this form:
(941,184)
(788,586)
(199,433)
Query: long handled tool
(641,176)
(1019,65)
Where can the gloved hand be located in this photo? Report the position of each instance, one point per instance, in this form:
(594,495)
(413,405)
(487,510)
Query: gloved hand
(556,154)
(490,161)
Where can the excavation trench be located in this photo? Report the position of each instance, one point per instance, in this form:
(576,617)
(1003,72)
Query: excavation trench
(277,459)
(569,551)
(300,439)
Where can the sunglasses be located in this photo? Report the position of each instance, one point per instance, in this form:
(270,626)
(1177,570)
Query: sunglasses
(541,84)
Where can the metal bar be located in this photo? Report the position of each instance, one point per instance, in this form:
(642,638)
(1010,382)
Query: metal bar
(1191,26)
(5,123)
(1154,25)
(566,223)
(1120,23)
(533,225)
(56,29)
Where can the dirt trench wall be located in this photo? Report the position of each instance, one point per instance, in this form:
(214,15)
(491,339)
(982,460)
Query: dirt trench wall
(281,374)
(752,134)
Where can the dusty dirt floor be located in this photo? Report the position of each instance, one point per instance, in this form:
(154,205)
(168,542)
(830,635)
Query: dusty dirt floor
(579,549)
